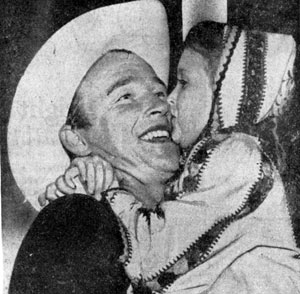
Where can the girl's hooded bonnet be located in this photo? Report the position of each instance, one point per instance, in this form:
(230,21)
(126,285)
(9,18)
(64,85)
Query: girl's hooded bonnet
(254,77)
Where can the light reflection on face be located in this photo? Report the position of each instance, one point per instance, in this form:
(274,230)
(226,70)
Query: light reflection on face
(130,116)
(191,99)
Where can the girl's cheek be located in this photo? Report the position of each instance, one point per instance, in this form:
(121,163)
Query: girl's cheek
(173,108)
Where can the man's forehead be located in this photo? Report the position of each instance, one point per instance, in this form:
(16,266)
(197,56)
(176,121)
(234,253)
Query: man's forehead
(113,57)
(117,69)
(116,63)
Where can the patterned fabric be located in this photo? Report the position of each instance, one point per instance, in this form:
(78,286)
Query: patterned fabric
(237,189)
(227,228)
(232,172)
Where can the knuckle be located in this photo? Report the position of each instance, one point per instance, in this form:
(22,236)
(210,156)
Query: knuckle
(95,158)
(58,180)
(50,187)
(75,161)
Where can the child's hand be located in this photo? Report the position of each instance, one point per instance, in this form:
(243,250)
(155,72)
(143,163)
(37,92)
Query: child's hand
(95,174)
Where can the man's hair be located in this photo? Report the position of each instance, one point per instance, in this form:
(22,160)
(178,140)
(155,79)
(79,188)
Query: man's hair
(77,117)
(206,38)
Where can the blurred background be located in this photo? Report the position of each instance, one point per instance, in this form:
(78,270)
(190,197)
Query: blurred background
(28,24)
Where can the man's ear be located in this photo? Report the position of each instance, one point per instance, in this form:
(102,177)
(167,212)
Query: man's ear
(73,141)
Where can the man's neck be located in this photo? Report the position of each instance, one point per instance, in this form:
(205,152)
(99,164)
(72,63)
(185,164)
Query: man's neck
(149,194)
(145,184)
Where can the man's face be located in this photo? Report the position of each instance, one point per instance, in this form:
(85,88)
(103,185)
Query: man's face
(130,118)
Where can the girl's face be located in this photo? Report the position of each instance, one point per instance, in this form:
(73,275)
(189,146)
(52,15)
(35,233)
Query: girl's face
(191,100)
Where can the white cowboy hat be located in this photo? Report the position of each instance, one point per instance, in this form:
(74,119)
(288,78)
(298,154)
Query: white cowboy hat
(45,91)
(194,11)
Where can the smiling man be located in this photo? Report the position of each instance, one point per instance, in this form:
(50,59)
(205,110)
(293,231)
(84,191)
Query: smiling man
(119,112)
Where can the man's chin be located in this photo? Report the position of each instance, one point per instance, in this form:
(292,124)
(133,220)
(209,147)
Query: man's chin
(170,167)
(169,152)
(167,162)
(163,157)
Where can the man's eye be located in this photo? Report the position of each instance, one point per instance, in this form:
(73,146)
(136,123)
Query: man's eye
(124,97)
(161,94)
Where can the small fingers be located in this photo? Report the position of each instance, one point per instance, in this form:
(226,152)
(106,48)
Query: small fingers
(70,174)
(42,199)
(90,177)
(109,175)
(100,180)
(81,165)
(50,193)
(108,172)
(63,187)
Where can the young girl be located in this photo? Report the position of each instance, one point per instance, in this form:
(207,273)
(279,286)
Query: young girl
(224,226)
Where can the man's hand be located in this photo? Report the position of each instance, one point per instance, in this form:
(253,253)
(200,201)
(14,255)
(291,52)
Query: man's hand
(95,174)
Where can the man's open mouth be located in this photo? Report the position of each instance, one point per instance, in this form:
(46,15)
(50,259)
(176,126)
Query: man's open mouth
(157,134)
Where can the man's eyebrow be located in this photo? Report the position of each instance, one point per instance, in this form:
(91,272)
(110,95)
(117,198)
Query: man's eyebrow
(119,83)
(126,81)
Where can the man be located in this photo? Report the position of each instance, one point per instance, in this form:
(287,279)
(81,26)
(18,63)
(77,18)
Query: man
(128,123)
(119,112)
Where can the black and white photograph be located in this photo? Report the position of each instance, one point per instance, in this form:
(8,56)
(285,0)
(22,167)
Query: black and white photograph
(150,146)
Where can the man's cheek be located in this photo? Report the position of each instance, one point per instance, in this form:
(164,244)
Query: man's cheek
(100,135)
(128,109)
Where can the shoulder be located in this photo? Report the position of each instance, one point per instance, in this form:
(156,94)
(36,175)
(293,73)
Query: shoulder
(226,148)
(237,144)
(223,162)
(262,270)
(238,156)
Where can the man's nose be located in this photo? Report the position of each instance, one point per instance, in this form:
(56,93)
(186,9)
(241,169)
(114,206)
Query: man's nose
(157,105)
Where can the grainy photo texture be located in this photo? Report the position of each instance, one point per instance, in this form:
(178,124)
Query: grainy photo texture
(150,146)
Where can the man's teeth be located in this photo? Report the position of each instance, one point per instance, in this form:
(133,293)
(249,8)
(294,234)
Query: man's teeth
(156,134)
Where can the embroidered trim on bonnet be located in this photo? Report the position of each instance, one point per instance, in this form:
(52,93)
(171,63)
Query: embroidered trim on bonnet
(227,31)
(217,97)
(201,158)
(254,79)
(172,190)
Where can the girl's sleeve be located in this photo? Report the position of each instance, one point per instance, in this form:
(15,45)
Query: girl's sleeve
(225,184)
(228,175)
(262,270)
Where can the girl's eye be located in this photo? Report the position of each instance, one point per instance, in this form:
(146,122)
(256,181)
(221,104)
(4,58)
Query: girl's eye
(124,97)
(182,82)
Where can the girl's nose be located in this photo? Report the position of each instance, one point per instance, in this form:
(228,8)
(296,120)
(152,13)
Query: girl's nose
(172,101)
(171,98)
